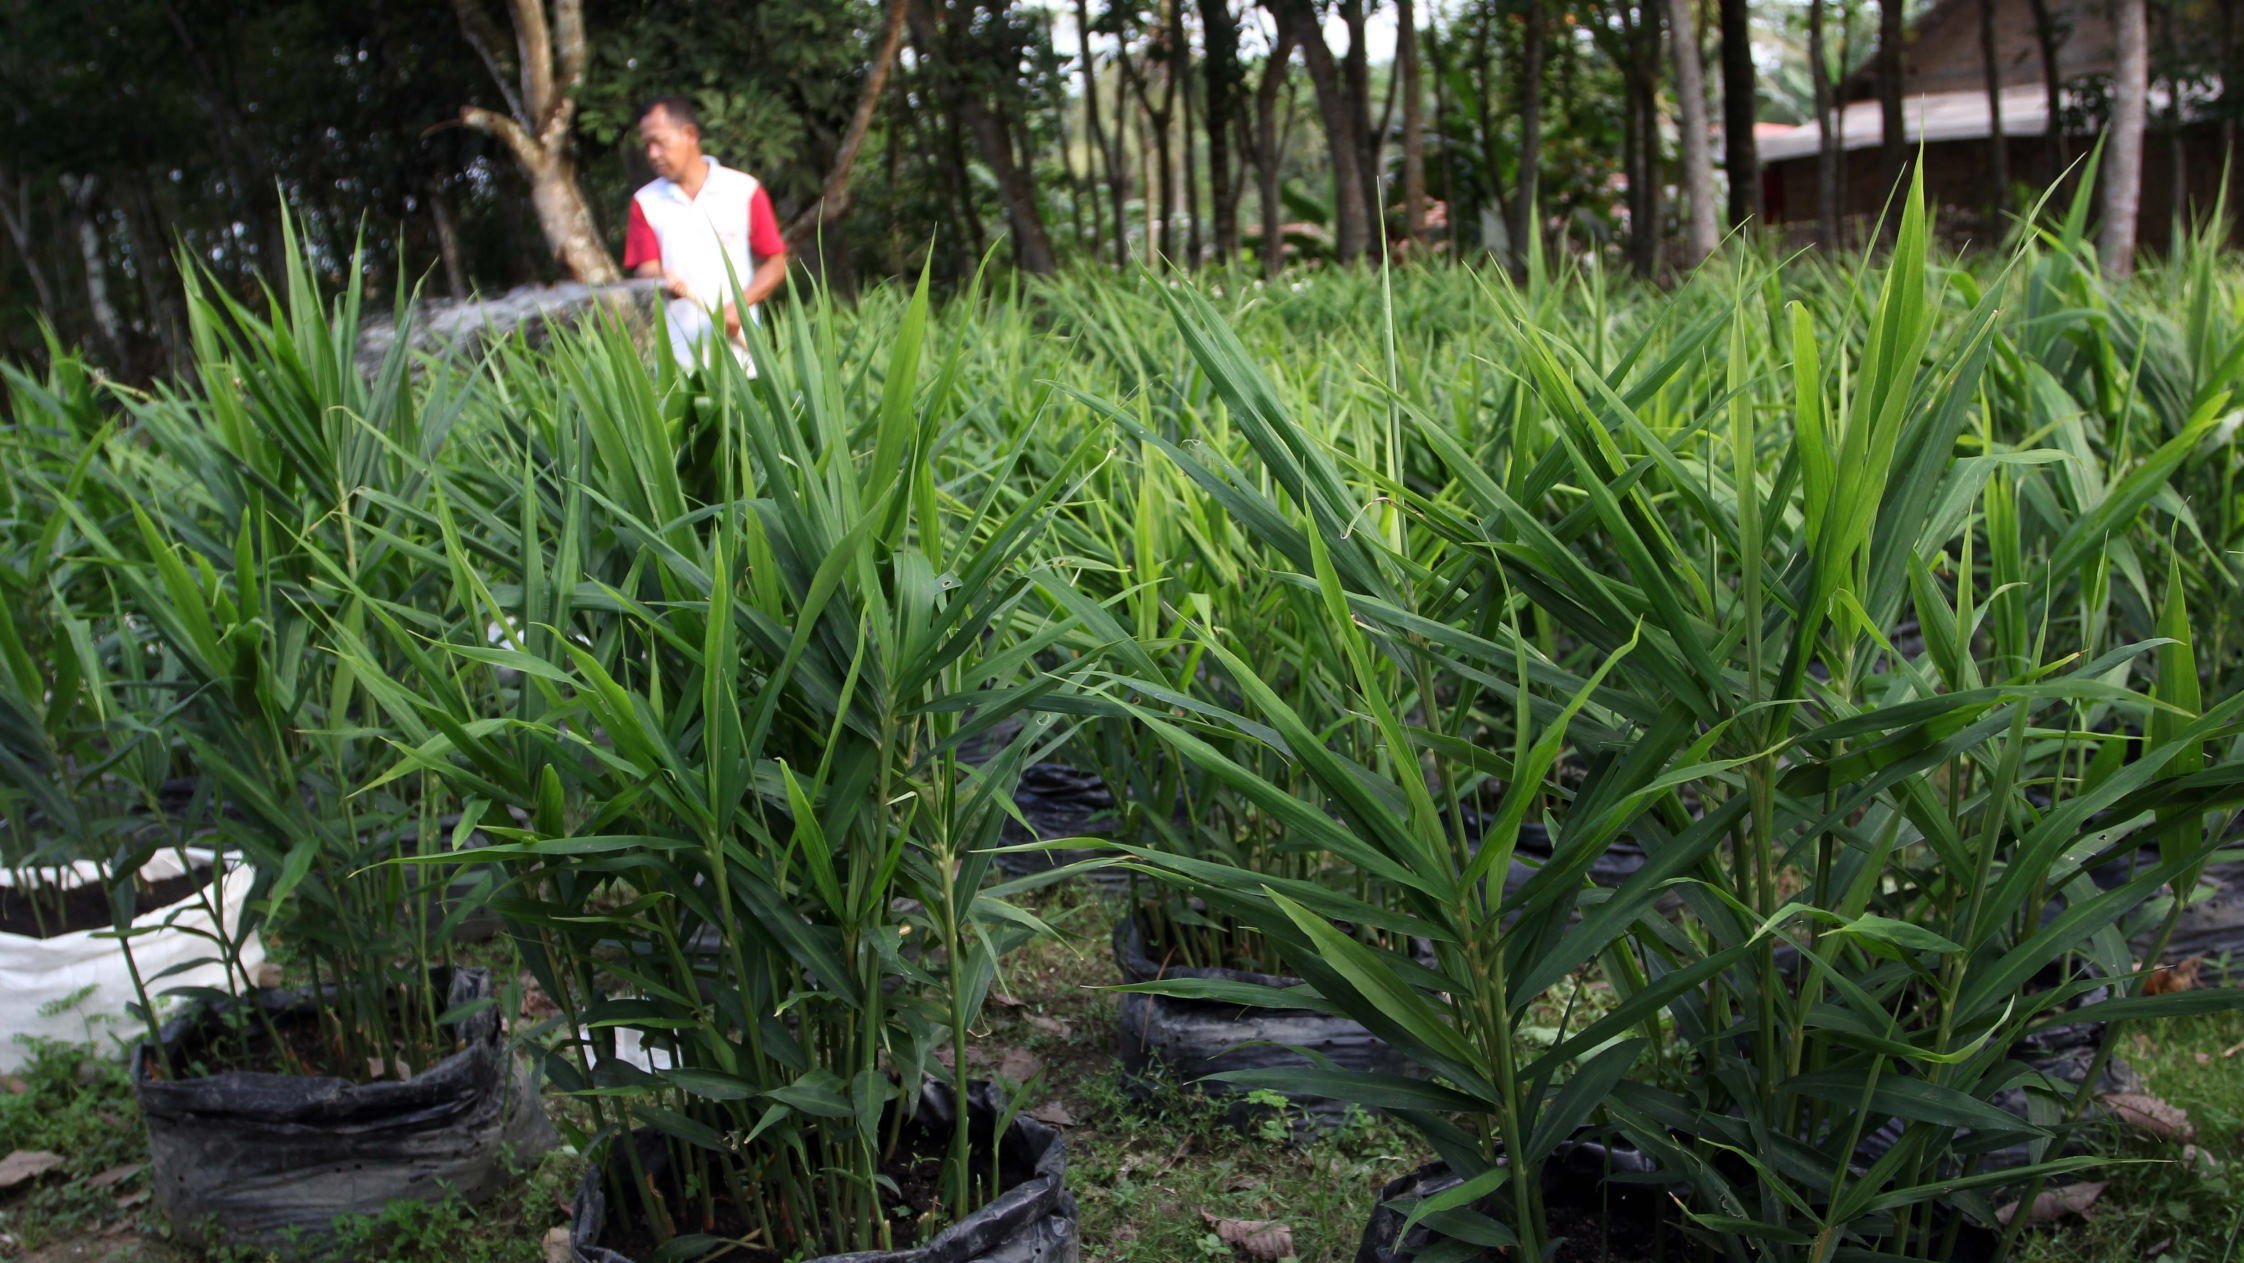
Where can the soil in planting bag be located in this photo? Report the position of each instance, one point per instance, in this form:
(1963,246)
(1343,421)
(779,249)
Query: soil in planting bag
(271,1160)
(75,986)
(1058,801)
(1592,1194)
(1032,1221)
(1606,1201)
(1161,1038)
(2065,1068)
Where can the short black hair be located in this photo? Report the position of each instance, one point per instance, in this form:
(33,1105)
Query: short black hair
(679,109)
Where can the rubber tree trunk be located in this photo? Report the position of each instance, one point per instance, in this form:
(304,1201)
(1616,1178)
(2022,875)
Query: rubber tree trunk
(2123,159)
(1413,123)
(1356,77)
(2048,38)
(81,190)
(834,195)
(1526,194)
(447,243)
(1220,41)
(1117,178)
(1827,138)
(1269,153)
(1738,113)
(1032,248)
(1998,146)
(15,216)
(540,77)
(1351,214)
(1702,231)
(1895,145)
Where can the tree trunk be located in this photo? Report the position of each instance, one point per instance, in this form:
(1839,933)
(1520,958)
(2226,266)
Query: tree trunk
(1106,159)
(2123,159)
(1827,139)
(80,191)
(1351,214)
(1220,37)
(1413,123)
(1268,151)
(447,243)
(1895,144)
(1997,145)
(1356,77)
(15,216)
(834,195)
(2049,39)
(1016,191)
(1443,56)
(1738,113)
(1484,90)
(1526,206)
(1703,230)
(535,128)
(1188,173)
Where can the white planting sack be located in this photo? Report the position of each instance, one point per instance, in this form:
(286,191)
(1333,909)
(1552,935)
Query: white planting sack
(41,979)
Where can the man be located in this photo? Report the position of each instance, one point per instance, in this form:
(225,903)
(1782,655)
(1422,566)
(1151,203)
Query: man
(705,229)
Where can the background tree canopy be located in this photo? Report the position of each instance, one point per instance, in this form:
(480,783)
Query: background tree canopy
(141,133)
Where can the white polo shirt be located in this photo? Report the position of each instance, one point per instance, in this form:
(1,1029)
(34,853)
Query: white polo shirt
(712,239)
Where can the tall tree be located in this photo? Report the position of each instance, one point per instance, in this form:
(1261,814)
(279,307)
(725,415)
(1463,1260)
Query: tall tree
(1702,230)
(834,195)
(1894,144)
(1527,194)
(1269,146)
(984,118)
(1220,38)
(2123,156)
(1117,178)
(1351,212)
(2049,37)
(539,80)
(1827,138)
(1413,123)
(1738,112)
(1356,79)
(1998,146)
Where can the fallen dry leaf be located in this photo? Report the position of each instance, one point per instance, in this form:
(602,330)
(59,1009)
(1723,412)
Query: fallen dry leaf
(115,1175)
(2233,1049)
(1053,1113)
(2151,1116)
(132,1199)
(2203,1059)
(26,1164)
(556,1245)
(266,975)
(1005,1001)
(1265,1239)
(2181,976)
(1241,1183)
(2056,1204)
(1020,1065)
(1052,1026)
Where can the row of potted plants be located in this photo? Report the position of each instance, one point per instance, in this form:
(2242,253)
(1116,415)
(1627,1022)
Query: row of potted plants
(1414,713)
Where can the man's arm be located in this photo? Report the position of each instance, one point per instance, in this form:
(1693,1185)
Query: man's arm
(770,250)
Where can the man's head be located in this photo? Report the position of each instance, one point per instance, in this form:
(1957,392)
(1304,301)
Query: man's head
(672,135)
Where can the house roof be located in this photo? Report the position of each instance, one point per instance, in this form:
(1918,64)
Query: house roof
(1933,117)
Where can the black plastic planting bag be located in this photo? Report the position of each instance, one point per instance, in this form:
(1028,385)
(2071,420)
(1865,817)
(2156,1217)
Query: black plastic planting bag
(1058,801)
(1185,1040)
(1032,1221)
(1606,1183)
(252,1155)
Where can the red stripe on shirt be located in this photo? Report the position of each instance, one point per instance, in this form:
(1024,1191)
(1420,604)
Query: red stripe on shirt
(763,226)
(640,245)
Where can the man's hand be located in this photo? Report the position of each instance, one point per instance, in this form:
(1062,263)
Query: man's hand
(675,285)
(732,321)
